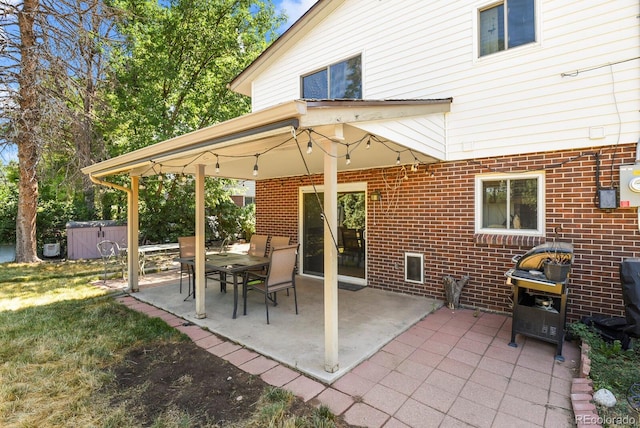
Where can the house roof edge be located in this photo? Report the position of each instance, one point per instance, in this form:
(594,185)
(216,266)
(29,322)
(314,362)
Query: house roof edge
(319,11)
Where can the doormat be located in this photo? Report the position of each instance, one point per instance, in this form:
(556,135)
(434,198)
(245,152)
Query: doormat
(350,287)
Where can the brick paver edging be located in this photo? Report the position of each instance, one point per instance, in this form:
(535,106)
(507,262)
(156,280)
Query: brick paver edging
(272,372)
(584,411)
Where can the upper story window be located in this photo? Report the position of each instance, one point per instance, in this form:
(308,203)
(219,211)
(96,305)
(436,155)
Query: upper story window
(506,25)
(510,203)
(342,80)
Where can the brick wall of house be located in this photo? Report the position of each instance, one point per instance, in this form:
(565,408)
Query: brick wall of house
(433,214)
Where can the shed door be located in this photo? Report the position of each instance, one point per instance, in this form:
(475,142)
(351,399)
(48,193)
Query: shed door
(82,243)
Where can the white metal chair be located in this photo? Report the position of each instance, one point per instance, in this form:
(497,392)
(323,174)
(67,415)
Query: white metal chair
(110,252)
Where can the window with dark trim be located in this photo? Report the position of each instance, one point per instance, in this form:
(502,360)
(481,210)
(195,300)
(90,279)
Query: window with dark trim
(342,80)
(506,25)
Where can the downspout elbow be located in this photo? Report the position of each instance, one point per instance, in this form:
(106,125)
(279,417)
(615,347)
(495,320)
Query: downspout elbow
(107,184)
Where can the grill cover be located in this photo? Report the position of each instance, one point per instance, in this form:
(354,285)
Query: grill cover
(630,279)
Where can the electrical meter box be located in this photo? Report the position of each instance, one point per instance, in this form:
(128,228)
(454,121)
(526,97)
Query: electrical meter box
(630,186)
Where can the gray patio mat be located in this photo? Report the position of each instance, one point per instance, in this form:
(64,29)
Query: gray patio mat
(368,319)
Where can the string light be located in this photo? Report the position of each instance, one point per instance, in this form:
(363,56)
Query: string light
(156,168)
(255,167)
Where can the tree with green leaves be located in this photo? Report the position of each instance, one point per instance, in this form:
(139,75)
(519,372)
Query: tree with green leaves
(170,77)
(51,64)
(176,62)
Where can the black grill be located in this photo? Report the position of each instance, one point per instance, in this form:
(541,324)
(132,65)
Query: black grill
(539,304)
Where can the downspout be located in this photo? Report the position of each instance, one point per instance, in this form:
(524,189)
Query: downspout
(132,227)
(107,184)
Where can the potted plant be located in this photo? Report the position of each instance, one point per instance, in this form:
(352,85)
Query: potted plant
(558,259)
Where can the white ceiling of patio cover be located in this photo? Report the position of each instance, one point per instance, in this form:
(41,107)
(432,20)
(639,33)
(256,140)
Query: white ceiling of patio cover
(417,125)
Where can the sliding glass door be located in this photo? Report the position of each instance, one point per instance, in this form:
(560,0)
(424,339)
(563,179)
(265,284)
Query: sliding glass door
(349,237)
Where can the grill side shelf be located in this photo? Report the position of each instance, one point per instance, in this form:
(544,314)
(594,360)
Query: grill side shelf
(523,278)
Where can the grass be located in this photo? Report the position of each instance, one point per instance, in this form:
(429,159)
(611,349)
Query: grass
(615,369)
(59,335)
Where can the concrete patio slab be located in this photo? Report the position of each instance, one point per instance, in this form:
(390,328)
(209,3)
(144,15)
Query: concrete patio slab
(369,319)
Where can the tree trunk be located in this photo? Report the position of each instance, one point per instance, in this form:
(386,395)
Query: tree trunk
(26,139)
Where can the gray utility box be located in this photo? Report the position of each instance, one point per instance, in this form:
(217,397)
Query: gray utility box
(630,186)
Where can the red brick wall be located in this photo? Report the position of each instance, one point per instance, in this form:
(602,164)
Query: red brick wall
(434,215)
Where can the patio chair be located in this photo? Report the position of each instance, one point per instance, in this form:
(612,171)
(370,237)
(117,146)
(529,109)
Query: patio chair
(258,245)
(281,275)
(110,252)
(275,242)
(278,241)
(142,259)
(352,246)
(186,248)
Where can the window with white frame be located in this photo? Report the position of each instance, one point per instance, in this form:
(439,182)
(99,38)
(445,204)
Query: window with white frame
(510,203)
(342,80)
(506,25)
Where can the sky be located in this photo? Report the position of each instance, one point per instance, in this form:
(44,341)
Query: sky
(293,8)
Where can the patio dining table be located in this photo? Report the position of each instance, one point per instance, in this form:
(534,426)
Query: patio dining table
(234,264)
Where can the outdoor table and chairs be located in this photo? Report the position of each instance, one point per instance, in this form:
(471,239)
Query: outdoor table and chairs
(227,264)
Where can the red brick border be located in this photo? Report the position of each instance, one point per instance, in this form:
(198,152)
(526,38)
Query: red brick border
(585,412)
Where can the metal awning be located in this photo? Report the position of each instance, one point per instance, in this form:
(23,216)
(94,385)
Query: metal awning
(413,129)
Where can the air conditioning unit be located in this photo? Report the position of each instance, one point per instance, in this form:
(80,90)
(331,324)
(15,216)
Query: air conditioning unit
(51,250)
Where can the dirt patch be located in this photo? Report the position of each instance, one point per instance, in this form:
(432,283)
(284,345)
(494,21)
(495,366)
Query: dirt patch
(185,378)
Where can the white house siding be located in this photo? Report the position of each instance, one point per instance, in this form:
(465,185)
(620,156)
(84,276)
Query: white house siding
(420,134)
(507,103)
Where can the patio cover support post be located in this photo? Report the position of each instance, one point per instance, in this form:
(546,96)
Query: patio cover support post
(331,364)
(132,234)
(200,251)
(132,226)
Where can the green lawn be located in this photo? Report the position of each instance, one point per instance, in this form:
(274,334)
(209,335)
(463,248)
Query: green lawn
(59,336)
